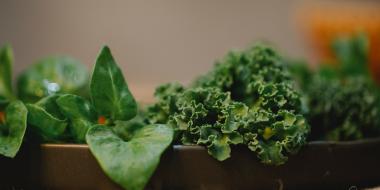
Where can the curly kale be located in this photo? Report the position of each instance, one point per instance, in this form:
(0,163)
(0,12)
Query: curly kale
(343,101)
(343,109)
(248,99)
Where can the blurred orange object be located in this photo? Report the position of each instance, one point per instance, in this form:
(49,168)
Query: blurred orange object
(325,21)
(2,117)
(102,120)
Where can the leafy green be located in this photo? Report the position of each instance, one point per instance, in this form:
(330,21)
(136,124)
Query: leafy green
(50,76)
(81,114)
(343,101)
(300,72)
(109,91)
(346,109)
(248,98)
(13,129)
(205,117)
(127,151)
(46,120)
(6,62)
(129,160)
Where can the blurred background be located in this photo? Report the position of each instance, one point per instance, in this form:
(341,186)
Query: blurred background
(171,40)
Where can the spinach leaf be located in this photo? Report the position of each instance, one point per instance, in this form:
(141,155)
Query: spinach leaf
(13,129)
(130,158)
(81,114)
(50,76)
(109,91)
(46,120)
(6,62)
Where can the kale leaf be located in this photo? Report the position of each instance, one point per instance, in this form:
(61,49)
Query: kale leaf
(342,99)
(248,98)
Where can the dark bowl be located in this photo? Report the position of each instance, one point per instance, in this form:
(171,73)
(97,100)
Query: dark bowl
(319,165)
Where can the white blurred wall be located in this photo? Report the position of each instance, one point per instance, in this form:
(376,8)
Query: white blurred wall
(153,41)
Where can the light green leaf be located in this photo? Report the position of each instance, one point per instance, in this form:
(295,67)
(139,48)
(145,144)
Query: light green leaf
(109,91)
(50,76)
(219,149)
(46,119)
(6,63)
(271,154)
(81,114)
(13,130)
(129,160)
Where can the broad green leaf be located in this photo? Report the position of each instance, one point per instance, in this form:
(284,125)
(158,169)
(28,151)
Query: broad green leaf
(13,130)
(129,159)
(6,63)
(109,91)
(46,119)
(50,105)
(50,76)
(81,114)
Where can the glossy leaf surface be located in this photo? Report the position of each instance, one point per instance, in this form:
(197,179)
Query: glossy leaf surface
(12,131)
(109,91)
(80,113)
(130,154)
(46,119)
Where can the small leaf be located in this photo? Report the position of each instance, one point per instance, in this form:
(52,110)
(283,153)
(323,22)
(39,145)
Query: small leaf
(109,91)
(51,76)
(6,63)
(13,130)
(46,120)
(271,154)
(219,148)
(81,114)
(130,162)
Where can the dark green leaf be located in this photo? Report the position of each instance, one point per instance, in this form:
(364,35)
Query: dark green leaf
(13,130)
(46,119)
(81,114)
(6,63)
(50,76)
(73,106)
(109,91)
(129,161)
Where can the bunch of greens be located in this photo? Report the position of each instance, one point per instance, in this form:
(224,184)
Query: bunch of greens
(49,76)
(346,109)
(343,101)
(248,98)
(126,150)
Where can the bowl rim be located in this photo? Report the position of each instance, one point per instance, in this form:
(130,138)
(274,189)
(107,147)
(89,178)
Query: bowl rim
(176,146)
